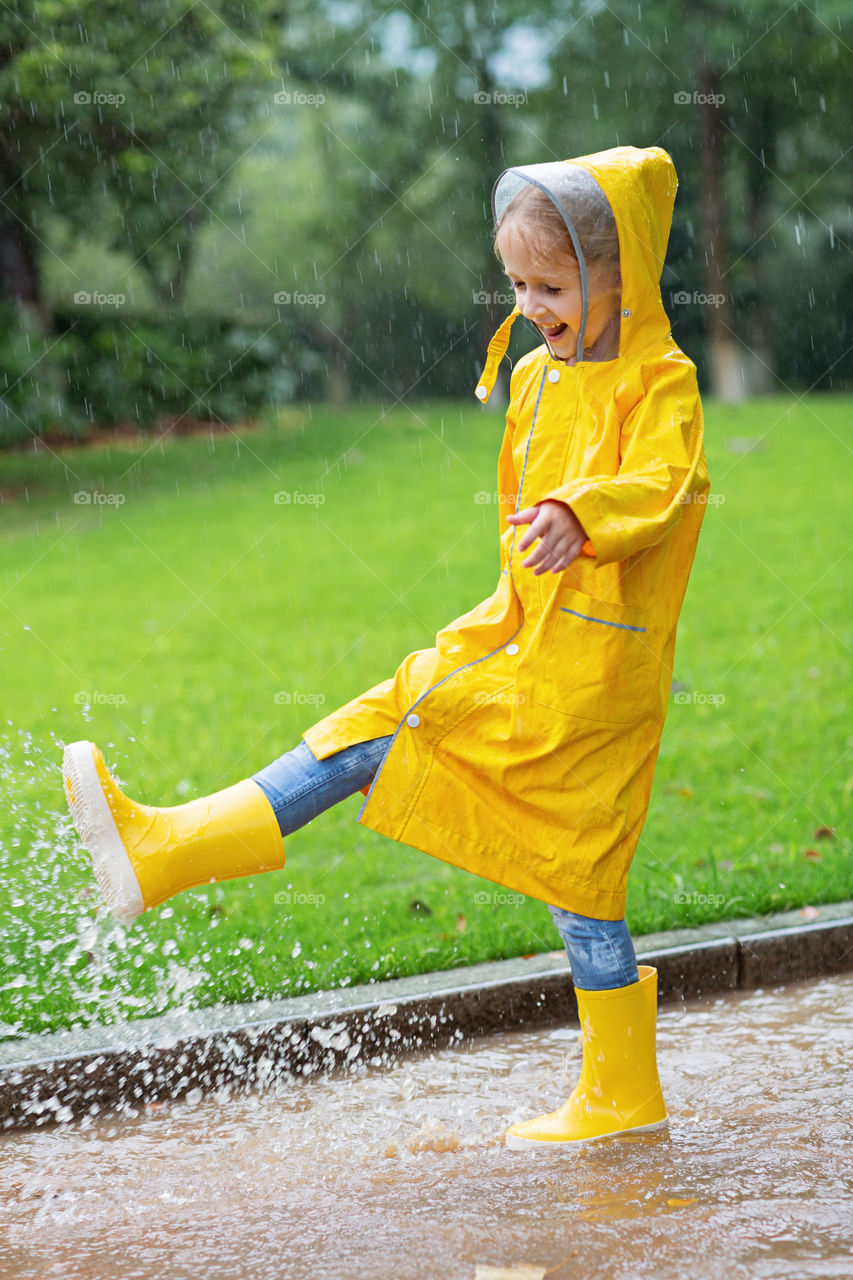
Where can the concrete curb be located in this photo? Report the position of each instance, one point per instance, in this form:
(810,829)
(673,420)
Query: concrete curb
(62,1077)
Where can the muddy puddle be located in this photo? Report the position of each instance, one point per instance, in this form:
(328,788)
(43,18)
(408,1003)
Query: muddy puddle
(401,1172)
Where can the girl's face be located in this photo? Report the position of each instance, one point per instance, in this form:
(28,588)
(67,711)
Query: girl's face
(548,292)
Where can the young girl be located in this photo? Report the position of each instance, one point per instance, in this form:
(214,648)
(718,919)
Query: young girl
(522,746)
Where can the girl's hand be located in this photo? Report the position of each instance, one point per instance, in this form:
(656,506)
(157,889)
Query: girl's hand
(562,535)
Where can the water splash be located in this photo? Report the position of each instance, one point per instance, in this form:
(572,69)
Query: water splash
(66,962)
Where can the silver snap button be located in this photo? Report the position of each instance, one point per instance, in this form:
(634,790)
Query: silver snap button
(512,648)
(553,375)
(413,720)
(481,393)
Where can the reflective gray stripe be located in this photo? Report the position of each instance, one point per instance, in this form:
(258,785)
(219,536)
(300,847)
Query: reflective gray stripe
(419,701)
(527,446)
(604,622)
(503,643)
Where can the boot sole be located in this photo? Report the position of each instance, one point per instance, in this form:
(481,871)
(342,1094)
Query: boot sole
(516,1143)
(96,826)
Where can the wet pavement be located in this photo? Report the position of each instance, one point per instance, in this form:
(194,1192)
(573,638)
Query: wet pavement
(400,1171)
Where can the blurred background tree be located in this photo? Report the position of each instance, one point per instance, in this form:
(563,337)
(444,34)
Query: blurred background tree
(210,210)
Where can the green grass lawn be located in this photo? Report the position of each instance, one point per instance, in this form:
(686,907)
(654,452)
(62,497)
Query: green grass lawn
(162,617)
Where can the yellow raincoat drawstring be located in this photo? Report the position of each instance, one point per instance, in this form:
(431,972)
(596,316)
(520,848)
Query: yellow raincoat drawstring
(496,353)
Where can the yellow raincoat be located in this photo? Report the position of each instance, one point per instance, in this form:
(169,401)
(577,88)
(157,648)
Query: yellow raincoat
(525,740)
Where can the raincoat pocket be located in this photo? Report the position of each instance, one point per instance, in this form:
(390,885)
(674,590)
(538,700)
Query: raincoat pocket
(601,660)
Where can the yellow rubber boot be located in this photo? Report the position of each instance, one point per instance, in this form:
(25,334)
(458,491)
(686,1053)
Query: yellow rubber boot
(143,855)
(619,1090)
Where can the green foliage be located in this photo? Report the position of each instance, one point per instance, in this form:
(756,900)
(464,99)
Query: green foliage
(139,372)
(152,123)
(144,154)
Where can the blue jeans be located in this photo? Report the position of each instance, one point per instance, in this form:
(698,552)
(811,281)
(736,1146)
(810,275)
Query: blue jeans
(299,786)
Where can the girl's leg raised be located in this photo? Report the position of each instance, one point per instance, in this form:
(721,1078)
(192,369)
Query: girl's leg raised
(299,786)
(144,854)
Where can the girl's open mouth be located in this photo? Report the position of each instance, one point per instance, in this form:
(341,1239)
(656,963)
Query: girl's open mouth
(554,330)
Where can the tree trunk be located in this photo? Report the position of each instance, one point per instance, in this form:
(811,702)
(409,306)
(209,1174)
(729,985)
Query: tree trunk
(170,290)
(338,389)
(19,276)
(725,357)
(20,283)
(760,378)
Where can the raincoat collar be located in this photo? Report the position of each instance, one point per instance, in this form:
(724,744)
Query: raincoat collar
(639,185)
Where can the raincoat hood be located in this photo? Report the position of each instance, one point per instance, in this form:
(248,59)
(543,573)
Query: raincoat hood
(631,186)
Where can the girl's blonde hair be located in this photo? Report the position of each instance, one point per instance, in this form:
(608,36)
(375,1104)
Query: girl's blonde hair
(541,226)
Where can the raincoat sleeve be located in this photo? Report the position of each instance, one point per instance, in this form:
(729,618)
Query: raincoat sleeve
(662,465)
